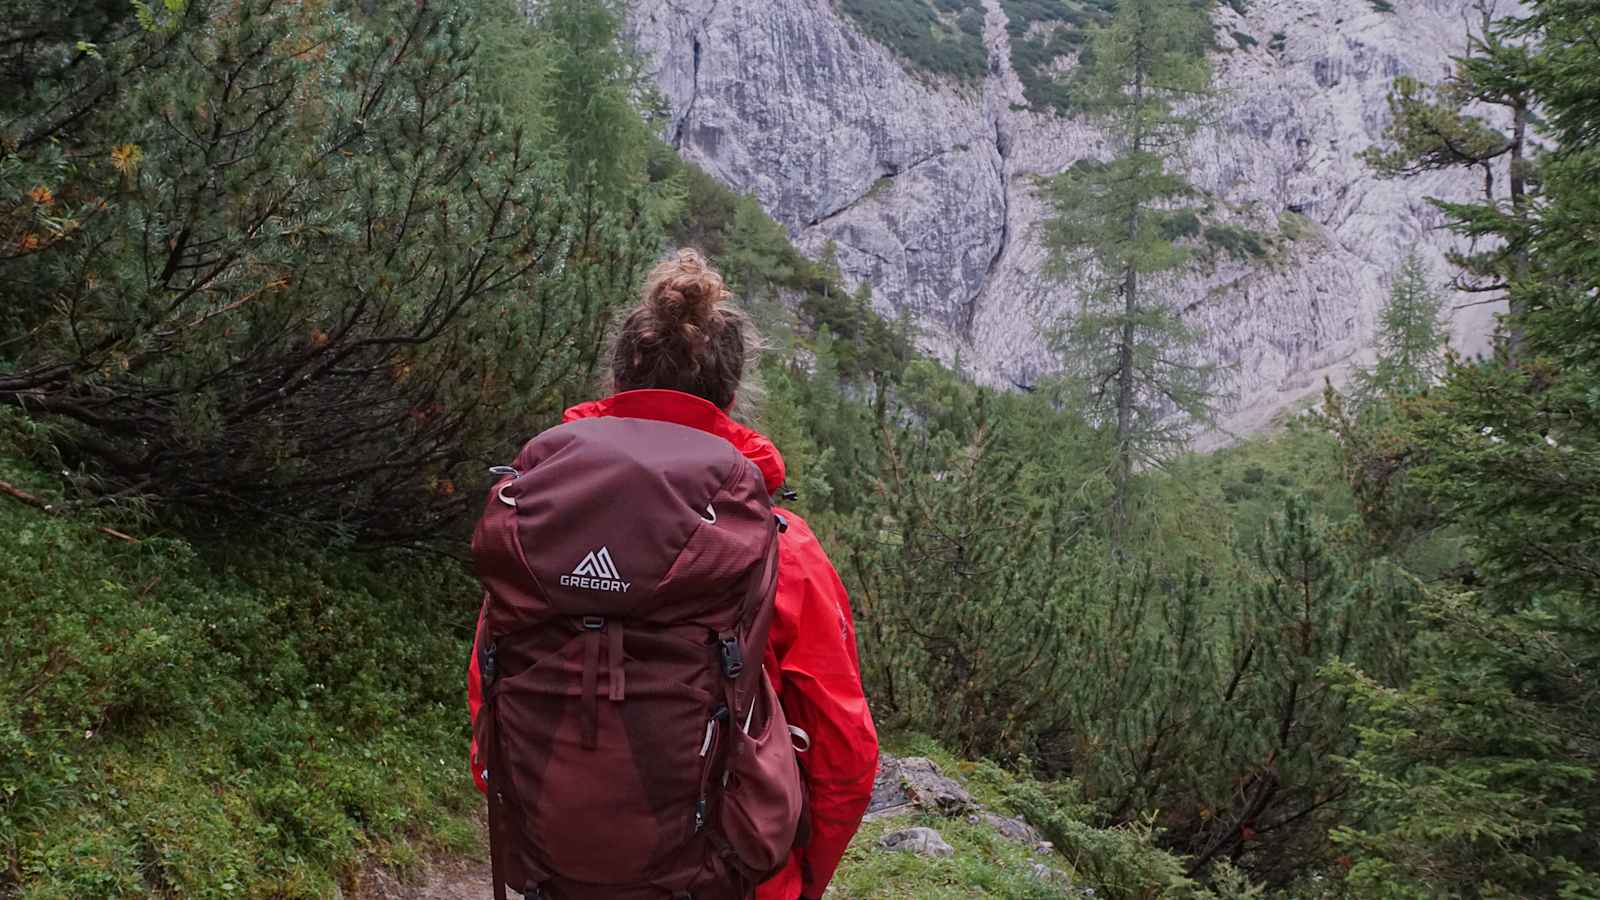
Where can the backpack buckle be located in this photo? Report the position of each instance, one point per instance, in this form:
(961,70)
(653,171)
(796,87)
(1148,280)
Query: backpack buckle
(594,623)
(732,657)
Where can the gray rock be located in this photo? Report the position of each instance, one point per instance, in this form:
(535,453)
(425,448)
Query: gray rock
(930,789)
(924,186)
(888,793)
(1012,829)
(925,841)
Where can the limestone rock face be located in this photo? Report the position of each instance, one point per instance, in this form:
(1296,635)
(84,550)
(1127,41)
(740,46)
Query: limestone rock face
(926,186)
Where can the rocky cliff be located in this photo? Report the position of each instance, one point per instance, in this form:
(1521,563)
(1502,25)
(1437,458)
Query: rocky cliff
(925,185)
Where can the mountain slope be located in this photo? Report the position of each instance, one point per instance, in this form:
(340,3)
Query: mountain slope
(924,182)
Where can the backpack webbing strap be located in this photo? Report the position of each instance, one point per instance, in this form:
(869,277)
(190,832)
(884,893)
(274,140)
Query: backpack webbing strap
(614,659)
(589,699)
(760,587)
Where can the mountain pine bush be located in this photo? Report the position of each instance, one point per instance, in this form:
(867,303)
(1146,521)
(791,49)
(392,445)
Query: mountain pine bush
(278,264)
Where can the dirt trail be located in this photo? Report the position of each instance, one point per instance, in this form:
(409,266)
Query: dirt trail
(457,880)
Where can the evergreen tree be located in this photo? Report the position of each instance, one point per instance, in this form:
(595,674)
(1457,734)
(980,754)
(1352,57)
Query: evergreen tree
(1482,775)
(1447,126)
(1116,225)
(758,254)
(1412,332)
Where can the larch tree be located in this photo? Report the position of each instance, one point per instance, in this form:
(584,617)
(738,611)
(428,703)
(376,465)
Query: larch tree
(1117,229)
(1412,332)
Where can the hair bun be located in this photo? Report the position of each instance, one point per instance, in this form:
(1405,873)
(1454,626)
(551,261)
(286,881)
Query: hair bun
(684,291)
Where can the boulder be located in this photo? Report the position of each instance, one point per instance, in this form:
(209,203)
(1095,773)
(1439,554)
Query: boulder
(1010,829)
(915,782)
(921,840)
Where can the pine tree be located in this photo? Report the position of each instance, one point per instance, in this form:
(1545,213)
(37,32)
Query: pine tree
(1446,126)
(1481,775)
(1412,332)
(1117,225)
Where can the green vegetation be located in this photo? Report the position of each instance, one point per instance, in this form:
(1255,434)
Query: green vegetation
(1245,41)
(1279,42)
(1235,240)
(1120,864)
(1413,331)
(1295,226)
(1381,6)
(943,37)
(1114,230)
(212,722)
(1043,32)
(1354,657)
(248,274)
(1479,775)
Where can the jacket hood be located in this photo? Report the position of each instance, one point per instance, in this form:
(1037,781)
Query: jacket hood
(693,412)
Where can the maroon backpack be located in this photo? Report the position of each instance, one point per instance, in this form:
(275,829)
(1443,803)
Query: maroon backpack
(633,743)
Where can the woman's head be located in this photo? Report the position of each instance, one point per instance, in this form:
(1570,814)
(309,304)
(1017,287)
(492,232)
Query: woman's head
(683,336)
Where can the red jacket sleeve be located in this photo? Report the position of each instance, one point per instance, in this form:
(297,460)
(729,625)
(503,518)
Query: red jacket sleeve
(475,703)
(813,644)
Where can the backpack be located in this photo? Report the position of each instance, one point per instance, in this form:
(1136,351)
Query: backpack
(634,745)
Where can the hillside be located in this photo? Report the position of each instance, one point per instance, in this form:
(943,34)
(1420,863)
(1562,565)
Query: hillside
(287,285)
(922,170)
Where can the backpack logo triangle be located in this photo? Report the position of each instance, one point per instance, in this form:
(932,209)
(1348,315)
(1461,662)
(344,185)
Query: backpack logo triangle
(597,573)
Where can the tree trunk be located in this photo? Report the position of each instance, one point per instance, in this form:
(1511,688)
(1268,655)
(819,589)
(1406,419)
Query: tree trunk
(1123,475)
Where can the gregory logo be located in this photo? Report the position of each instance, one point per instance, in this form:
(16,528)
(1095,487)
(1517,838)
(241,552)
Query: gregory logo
(596,573)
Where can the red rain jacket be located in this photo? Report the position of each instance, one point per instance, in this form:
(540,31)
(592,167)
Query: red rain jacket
(811,654)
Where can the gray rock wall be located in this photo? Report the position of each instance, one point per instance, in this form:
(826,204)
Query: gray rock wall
(926,186)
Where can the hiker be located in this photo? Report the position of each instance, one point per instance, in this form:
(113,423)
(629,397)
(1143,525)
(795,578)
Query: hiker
(664,686)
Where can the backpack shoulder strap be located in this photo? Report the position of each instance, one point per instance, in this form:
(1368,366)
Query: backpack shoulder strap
(755,622)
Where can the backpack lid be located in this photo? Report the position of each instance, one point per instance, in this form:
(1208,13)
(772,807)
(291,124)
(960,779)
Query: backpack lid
(636,518)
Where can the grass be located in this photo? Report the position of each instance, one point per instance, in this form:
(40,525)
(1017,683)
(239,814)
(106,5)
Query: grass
(1296,226)
(221,722)
(1121,863)
(985,864)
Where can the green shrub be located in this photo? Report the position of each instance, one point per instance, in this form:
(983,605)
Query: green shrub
(1238,242)
(274,286)
(945,38)
(243,720)
(1043,31)
(1245,41)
